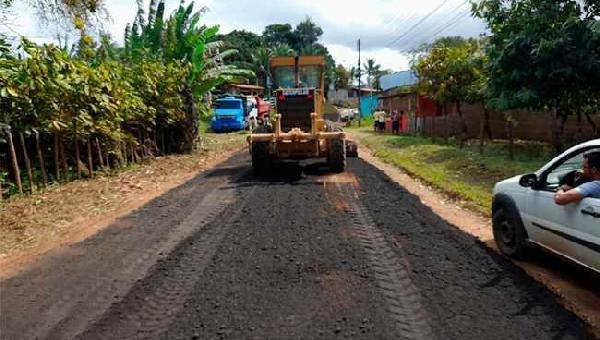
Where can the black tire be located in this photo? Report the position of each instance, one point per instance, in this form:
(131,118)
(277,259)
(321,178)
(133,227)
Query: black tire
(337,155)
(509,232)
(263,128)
(261,161)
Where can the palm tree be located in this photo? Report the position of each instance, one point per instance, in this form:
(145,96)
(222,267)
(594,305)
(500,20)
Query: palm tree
(283,50)
(371,69)
(182,38)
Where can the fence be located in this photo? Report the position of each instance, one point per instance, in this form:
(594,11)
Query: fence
(526,125)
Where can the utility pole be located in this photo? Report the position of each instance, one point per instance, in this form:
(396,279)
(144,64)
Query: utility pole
(359,93)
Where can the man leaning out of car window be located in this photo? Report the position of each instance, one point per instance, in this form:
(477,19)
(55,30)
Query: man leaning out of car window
(591,169)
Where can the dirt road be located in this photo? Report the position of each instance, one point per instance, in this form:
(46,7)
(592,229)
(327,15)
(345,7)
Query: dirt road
(298,254)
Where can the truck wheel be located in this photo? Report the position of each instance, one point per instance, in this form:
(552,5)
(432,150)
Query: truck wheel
(261,162)
(509,232)
(337,155)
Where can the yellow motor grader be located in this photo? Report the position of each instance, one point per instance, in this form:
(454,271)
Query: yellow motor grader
(298,130)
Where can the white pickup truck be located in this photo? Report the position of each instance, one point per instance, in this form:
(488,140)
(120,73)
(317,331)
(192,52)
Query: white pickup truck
(524,212)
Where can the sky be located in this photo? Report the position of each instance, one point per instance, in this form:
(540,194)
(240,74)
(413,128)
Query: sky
(387,28)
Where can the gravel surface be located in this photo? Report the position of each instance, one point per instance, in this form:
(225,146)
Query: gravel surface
(299,254)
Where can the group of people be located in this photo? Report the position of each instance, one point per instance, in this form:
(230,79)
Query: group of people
(380,116)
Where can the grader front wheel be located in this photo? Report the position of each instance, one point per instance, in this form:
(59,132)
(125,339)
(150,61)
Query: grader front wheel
(337,155)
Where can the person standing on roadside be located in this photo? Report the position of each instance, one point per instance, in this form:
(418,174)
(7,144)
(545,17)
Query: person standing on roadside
(395,122)
(382,117)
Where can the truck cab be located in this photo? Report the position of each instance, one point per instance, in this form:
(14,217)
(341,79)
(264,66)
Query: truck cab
(229,114)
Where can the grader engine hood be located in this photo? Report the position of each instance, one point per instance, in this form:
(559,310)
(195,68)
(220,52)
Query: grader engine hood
(295,106)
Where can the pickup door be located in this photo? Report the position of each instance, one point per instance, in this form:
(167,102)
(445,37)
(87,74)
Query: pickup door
(572,230)
(588,232)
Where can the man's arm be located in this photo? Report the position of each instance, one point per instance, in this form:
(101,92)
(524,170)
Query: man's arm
(563,197)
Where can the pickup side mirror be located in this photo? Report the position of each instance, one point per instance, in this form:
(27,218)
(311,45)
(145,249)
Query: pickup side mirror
(529,181)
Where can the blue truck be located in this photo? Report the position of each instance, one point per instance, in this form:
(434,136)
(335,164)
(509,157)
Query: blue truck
(229,114)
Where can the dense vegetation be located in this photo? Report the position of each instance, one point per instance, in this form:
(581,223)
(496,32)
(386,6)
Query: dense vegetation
(105,104)
(541,56)
(277,40)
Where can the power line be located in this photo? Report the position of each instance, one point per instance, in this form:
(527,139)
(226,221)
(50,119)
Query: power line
(449,25)
(453,14)
(417,24)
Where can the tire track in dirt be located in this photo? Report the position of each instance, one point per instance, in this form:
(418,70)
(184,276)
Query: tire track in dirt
(391,272)
(150,316)
(105,267)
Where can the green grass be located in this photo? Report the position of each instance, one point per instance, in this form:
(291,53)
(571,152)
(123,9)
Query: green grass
(461,173)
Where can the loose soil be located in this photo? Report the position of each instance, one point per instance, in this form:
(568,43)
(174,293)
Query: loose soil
(299,253)
(577,288)
(33,224)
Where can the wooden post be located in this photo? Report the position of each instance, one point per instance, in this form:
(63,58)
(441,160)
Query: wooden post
(56,156)
(511,140)
(481,131)
(27,162)
(41,158)
(13,156)
(63,156)
(89,158)
(77,153)
(99,150)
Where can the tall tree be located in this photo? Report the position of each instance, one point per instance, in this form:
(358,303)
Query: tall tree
(182,38)
(451,73)
(342,77)
(278,34)
(543,55)
(306,33)
(371,69)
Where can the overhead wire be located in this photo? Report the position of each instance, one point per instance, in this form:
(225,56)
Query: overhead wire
(448,26)
(453,15)
(433,33)
(423,19)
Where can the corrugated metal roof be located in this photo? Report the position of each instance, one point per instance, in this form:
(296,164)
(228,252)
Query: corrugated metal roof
(398,79)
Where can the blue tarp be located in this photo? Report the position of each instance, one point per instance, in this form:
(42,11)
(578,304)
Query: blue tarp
(368,104)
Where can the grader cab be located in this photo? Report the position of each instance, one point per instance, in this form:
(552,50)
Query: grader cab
(298,130)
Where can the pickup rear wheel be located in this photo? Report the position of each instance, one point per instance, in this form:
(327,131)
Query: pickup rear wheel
(509,232)
(337,155)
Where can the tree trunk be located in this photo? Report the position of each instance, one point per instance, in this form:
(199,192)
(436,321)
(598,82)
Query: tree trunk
(558,127)
(488,125)
(89,158)
(77,155)
(63,156)
(13,157)
(464,132)
(56,156)
(77,151)
(592,123)
(41,158)
(447,130)
(577,137)
(162,142)
(190,122)
(511,140)
(99,150)
(481,131)
(433,129)
(27,162)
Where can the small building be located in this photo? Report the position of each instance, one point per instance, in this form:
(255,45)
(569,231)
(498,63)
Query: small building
(399,94)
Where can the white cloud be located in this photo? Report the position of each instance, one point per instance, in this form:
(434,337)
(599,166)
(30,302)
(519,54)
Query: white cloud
(387,28)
